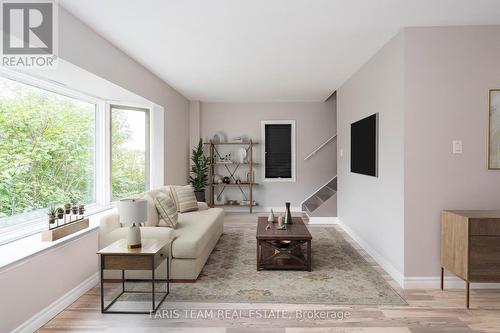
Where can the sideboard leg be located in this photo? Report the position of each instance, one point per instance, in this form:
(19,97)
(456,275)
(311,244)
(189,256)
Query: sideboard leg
(468,295)
(442,278)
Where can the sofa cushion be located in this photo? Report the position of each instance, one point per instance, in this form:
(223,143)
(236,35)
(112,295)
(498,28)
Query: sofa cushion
(167,211)
(202,205)
(194,231)
(162,190)
(184,198)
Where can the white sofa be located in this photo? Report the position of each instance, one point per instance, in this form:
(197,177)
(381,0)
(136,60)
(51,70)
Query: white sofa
(192,240)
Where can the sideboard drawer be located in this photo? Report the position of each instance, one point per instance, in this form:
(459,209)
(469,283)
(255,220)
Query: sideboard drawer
(484,259)
(485,227)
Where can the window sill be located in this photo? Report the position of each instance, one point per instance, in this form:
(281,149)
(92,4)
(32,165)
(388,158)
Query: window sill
(24,248)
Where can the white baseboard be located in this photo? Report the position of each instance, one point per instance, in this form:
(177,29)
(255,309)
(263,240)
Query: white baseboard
(386,265)
(44,316)
(450,282)
(426,282)
(322,220)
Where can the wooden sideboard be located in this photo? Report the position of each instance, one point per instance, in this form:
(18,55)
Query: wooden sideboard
(470,246)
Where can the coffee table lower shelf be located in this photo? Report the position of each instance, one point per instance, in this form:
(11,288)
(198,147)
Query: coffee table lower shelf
(274,255)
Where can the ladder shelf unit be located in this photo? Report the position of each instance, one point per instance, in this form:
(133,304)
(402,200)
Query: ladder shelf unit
(230,168)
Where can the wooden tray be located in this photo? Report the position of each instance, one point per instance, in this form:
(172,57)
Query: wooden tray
(64,230)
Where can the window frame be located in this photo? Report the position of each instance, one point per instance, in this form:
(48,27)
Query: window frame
(33,226)
(147,111)
(263,124)
(102,150)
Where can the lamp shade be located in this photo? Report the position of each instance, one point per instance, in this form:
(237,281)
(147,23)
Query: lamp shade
(132,211)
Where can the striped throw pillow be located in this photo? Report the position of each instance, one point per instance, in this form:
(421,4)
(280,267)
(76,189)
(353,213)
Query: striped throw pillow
(166,210)
(184,198)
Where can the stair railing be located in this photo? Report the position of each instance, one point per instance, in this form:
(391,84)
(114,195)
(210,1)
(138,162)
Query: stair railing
(317,149)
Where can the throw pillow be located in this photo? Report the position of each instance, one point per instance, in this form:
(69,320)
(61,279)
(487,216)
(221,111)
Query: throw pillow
(184,198)
(166,210)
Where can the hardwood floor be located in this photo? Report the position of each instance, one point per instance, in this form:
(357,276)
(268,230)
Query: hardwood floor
(428,311)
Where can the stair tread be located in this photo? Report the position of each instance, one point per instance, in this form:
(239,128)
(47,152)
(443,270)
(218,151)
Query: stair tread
(311,207)
(319,197)
(324,196)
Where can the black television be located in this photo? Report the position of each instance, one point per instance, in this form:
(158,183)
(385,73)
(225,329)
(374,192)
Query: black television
(364,146)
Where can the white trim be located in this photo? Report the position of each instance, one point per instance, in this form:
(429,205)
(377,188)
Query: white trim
(44,316)
(26,248)
(450,282)
(263,124)
(48,85)
(384,263)
(321,220)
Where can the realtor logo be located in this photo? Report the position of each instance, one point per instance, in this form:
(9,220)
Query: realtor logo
(29,37)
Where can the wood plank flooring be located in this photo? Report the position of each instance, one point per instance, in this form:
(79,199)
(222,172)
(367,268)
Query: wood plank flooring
(429,311)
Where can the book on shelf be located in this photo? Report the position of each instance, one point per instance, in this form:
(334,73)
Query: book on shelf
(247,202)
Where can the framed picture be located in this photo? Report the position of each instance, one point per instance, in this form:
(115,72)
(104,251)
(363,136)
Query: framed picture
(494,130)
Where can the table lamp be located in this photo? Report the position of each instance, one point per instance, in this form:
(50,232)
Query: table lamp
(133,211)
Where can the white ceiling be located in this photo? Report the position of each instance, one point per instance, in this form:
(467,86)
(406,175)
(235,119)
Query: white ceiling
(264,50)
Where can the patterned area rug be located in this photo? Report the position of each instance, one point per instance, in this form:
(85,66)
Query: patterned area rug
(339,275)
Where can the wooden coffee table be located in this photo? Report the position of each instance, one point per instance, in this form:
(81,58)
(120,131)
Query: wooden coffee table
(288,249)
(118,256)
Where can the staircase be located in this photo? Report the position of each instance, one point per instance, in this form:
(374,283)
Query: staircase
(321,206)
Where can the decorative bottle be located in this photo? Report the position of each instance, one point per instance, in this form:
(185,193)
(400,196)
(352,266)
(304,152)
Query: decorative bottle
(288,215)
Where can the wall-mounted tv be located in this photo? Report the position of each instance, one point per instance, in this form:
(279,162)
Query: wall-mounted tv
(364,146)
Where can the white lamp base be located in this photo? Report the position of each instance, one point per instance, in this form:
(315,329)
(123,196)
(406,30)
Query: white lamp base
(134,237)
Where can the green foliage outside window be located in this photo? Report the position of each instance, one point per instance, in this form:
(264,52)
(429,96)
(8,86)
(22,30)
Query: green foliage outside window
(46,148)
(128,163)
(47,152)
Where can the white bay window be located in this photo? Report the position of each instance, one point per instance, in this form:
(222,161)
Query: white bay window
(55,144)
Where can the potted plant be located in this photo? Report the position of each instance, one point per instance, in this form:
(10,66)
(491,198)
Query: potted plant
(60,213)
(51,214)
(74,204)
(67,208)
(81,209)
(199,171)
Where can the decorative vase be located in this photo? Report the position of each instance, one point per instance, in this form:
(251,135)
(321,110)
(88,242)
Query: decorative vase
(200,195)
(271,217)
(280,221)
(288,215)
(241,155)
(220,199)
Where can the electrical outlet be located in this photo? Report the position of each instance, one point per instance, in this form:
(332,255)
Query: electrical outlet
(457,146)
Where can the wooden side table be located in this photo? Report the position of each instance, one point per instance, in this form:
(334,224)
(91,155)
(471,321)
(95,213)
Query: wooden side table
(118,256)
(470,246)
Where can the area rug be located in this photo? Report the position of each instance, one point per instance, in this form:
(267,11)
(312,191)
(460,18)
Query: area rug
(340,275)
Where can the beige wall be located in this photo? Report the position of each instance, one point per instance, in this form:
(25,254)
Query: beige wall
(31,285)
(430,86)
(448,73)
(372,207)
(315,123)
(82,47)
